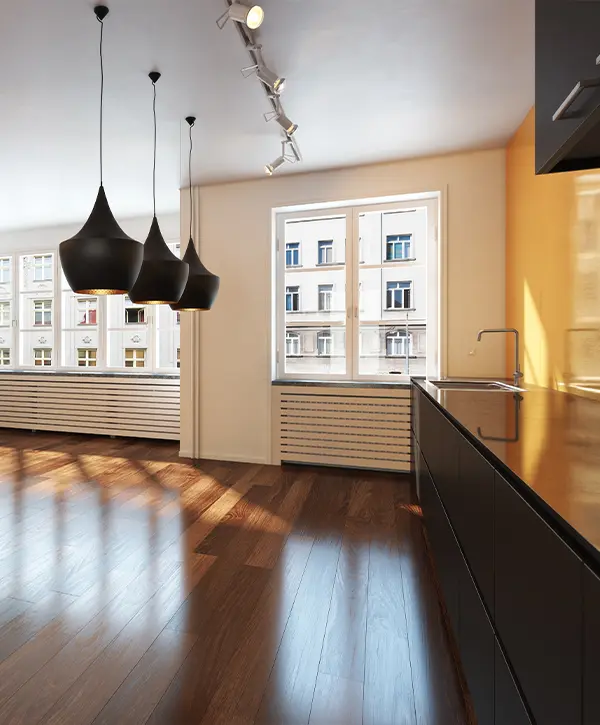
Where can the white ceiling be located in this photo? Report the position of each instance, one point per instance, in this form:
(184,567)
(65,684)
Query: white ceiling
(368,80)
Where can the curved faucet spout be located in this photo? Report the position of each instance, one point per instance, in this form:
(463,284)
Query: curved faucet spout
(517,375)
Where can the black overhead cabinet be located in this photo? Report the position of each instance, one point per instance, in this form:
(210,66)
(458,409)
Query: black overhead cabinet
(567,85)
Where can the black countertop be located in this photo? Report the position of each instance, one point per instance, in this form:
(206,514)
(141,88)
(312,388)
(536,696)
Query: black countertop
(547,443)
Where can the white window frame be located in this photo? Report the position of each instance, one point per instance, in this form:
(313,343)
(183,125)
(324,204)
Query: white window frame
(325,297)
(292,340)
(5,360)
(404,340)
(87,357)
(298,246)
(6,268)
(406,285)
(43,263)
(44,310)
(392,239)
(327,245)
(5,320)
(43,357)
(85,305)
(324,343)
(296,293)
(135,358)
(436,286)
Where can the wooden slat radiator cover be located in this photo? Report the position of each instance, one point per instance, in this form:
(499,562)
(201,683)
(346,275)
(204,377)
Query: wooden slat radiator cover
(120,406)
(355,427)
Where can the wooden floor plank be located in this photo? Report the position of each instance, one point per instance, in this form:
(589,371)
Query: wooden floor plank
(311,599)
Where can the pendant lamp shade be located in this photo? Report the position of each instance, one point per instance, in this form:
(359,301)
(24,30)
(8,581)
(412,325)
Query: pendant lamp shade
(163,276)
(202,286)
(101,259)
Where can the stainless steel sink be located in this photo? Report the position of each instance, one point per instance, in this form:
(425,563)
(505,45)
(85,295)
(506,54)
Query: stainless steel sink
(473,385)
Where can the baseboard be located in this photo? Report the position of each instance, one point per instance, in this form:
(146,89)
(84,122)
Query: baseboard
(208,455)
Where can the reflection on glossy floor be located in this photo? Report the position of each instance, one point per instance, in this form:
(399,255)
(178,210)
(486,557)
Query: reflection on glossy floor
(137,588)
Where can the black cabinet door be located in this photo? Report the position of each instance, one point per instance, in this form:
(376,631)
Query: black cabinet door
(476,642)
(508,704)
(567,46)
(429,420)
(538,593)
(446,554)
(591,649)
(471,510)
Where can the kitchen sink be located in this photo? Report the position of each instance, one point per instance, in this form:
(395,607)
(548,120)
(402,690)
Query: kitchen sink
(473,385)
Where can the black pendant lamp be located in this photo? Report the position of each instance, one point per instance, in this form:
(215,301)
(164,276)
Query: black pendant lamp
(101,259)
(163,276)
(202,286)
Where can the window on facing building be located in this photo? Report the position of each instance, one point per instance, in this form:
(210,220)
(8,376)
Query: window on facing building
(5,265)
(135,315)
(42,312)
(42,356)
(292,254)
(87,311)
(5,317)
(354,307)
(135,357)
(42,267)
(86,357)
(5,357)
(399,295)
(398,246)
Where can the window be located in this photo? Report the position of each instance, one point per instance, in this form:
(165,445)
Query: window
(398,344)
(178,357)
(42,312)
(5,270)
(135,316)
(42,356)
(398,295)
(325,297)
(42,267)
(86,357)
(87,311)
(354,311)
(5,317)
(398,246)
(292,254)
(326,252)
(292,344)
(324,343)
(5,357)
(135,357)
(178,317)
(292,299)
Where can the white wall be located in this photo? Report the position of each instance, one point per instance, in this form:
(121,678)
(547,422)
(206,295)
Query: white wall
(233,382)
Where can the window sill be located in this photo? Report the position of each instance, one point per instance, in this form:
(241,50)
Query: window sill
(400,309)
(404,259)
(293,266)
(341,383)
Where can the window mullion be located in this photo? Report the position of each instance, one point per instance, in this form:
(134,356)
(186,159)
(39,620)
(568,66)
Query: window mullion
(352,293)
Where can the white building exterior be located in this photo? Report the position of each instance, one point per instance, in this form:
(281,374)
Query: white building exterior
(392,293)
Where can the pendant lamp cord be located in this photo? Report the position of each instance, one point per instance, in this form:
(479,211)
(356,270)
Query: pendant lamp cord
(190,177)
(154,163)
(101,94)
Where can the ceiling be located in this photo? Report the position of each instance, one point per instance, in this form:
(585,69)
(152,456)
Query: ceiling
(367,81)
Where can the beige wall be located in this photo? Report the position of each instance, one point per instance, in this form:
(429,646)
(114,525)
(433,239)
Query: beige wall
(226,401)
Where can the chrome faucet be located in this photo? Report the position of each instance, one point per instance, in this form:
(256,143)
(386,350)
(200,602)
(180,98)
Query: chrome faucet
(517,375)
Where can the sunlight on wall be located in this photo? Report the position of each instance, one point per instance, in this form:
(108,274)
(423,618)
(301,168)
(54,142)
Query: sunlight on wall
(552,268)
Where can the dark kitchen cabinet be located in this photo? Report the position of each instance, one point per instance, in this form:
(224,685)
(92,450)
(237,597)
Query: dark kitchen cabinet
(471,509)
(476,643)
(509,708)
(591,648)
(538,605)
(444,547)
(567,49)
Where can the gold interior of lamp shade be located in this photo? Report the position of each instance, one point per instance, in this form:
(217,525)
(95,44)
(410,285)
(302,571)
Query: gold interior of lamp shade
(101,292)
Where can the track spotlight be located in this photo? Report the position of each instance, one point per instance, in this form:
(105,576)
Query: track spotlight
(270,168)
(286,124)
(240,13)
(270,79)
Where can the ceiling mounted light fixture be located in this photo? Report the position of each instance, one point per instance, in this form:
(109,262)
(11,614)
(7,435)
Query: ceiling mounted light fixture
(101,259)
(163,276)
(272,80)
(288,126)
(284,158)
(251,16)
(202,286)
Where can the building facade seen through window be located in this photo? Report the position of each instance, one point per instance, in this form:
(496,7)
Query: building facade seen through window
(43,324)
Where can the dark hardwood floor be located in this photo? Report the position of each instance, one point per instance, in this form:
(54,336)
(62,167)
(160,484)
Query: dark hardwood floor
(137,587)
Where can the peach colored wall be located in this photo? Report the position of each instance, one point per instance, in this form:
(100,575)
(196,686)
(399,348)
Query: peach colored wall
(233,378)
(552,266)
